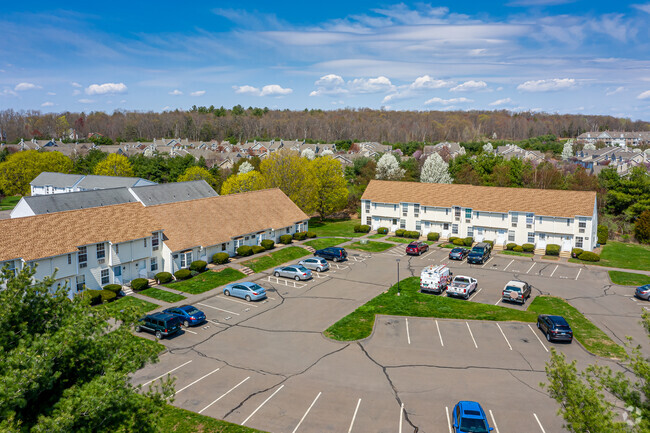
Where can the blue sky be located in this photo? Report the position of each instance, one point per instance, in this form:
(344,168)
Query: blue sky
(561,56)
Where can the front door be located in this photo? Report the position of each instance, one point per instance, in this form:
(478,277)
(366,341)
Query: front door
(117,274)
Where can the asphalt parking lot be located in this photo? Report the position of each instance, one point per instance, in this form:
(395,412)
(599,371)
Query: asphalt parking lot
(267,365)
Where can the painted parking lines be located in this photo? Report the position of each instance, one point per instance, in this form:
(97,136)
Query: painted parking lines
(439,334)
(508,265)
(537,336)
(474,294)
(579,270)
(318,275)
(165,374)
(448,419)
(408,334)
(498,302)
(220,309)
(531,268)
(354,416)
(283,282)
(197,380)
(488,261)
(494,422)
(339,266)
(224,394)
(226,298)
(263,403)
(191,332)
(306,413)
(428,254)
(504,336)
(471,334)
(401,417)
(539,423)
(553,273)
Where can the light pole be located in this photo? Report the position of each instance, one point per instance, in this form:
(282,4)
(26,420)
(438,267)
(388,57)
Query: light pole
(398,292)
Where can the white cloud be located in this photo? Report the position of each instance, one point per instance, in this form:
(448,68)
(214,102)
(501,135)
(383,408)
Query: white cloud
(175,92)
(370,85)
(539,2)
(47,104)
(51,93)
(75,84)
(75,92)
(246,89)
(447,101)
(420,85)
(468,86)
(644,7)
(330,84)
(547,85)
(25,86)
(102,89)
(86,101)
(501,102)
(268,90)
(166,107)
(6,92)
(644,95)
(615,91)
(198,93)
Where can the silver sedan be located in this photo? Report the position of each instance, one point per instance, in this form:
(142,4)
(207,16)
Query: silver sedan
(297,272)
(318,264)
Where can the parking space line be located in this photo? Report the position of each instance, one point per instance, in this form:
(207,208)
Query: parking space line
(165,374)
(497,302)
(197,380)
(579,270)
(632,298)
(494,423)
(427,254)
(191,332)
(539,423)
(214,321)
(226,298)
(472,335)
(401,417)
(354,416)
(504,336)
(443,259)
(448,419)
(531,268)
(474,294)
(263,403)
(537,336)
(439,334)
(223,395)
(552,273)
(305,415)
(225,311)
(408,335)
(487,262)
(508,265)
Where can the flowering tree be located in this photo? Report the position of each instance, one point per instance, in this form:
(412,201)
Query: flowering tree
(308,153)
(488,148)
(435,170)
(326,152)
(245,167)
(567,151)
(388,168)
(589,146)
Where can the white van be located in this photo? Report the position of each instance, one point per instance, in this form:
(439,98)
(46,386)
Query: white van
(435,278)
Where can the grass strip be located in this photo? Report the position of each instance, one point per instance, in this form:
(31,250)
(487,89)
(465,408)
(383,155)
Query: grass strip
(128,302)
(515,253)
(162,295)
(275,259)
(179,420)
(376,236)
(447,245)
(319,244)
(332,227)
(8,203)
(628,278)
(371,246)
(550,257)
(206,281)
(406,240)
(622,255)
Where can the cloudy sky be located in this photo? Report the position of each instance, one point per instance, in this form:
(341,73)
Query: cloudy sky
(565,56)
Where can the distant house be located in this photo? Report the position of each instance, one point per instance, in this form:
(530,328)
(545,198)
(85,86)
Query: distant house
(57,183)
(453,149)
(594,161)
(615,138)
(510,151)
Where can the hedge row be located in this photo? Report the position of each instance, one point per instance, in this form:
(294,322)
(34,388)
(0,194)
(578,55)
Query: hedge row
(552,250)
(98,297)
(361,228)
(433,236)
(525,248)
(382,230)
(115,288)
(285,239)
(407,234)
(461,242)
(183,274)
(139,284)
(588,256)
(163,277)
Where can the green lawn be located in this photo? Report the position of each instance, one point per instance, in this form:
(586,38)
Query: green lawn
(447,245)
(628,278)
(326,242)
(178,420)
(622,255)
(359,324)
(206,281)
(407,240)
(10,202)
(125,302)
(376,236)
(333,227)
(275,259)
(371,246)
(515,253)
(162,295)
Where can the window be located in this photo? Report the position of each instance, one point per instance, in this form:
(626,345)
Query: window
(503,217)
(539,219)
(470,232)
(82,257)
(418,225)
(81,282)
(445,226)
(105,277)
(530,219)
(155,242)
(117,248)
(468,213)
(402,224)
(367,205)
(578,241)
(582,225)
(223,247)
(511,236)
(416,210)
(145,242)
(405,209)
(446,211)
(457,212)
(368,220)
(568,222)
(154,264)
(101,252)
(515,219)
(69,259)
(246,238)
(531,237)
(454,229)
(186,259)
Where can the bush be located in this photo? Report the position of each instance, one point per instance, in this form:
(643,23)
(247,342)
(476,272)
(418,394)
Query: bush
(528,248)
(107,296)
(221,258)
(268,244)
(510,246)
(412,234)
(285,239)
(588,256)
(382,230)
(300,236)
(115,288)
(361,228)
(245,251)
(399,232)
(139,284)
(576,252)
(311,235)
(183,274)
(453,238)
(95,296)
(642,227)
(258,249)
(552,250)
(198,265)
(518,248)
(433,236)
(490,243)
(603,234)
(468,241)
(164,277)
(459,242)
(193,273)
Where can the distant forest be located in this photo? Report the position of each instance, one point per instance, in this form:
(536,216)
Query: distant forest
(241,124)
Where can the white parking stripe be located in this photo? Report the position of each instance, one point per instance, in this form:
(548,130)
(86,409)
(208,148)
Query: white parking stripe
(226,298)
(537,336)
(634,299)
(197,380)
(531,267)
(225,311)
(470,333)
(401,416)
(165,374)
(354,416)
(487,262)
(263,403)
(428,254)
(191,332)
(439,334)
(408,335)
(225,394)
(539,423)
(504,336)
(508,265)
(494,423)
(305,415)
(579,270)
(474,294)
(448,419)
(556,266)
(497,302)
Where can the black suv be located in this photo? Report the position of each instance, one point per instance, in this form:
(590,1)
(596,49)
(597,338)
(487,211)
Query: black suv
(160,324)
(480,253)
(332,253)
(556,328)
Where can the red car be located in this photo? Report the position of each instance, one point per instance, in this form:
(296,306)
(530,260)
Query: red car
(417,248)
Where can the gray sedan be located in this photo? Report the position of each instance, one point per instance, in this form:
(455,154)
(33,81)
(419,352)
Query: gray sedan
(297,272)
(318,264)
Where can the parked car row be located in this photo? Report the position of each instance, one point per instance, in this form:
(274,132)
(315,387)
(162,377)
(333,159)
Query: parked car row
(169,321)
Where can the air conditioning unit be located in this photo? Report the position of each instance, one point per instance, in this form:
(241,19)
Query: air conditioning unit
(100,261)
(581,230)
(514,224)
(468,220)
(529,226)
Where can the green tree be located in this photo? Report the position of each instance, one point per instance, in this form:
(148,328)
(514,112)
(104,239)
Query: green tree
(114,165)
(86,164)
(286,170)
(642,227)
(198,173)
(22,167)
(101,140)
(251,181)
(331,193)
(64,367)
(62,126)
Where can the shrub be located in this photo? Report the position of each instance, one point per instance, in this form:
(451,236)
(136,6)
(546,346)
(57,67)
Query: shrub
(576,252)
(491,243)
(115,288)
(510,246)
(433,236)
(300,236)
(399,232)
(552,250)
(603,234)
(245,250)
(361,228)
(642,227)
(107,296)
(198,265)
(268,244)
(95,296)
(382,230)
(164,277)
(459,242)
(258,249)
(453,238)
(412,234)
(518,248)
(528,248)
(588,256)
(139,284)
(468,241)
(220,258)
(285,239)
(193,273)
(183,274)
(311,235)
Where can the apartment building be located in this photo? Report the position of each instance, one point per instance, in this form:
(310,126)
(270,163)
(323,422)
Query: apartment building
(57,183)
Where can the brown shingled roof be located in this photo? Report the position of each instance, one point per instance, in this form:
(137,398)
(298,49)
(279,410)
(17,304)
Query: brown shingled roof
(547,202)
(58,233)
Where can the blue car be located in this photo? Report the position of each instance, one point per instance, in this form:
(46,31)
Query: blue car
(188,315)
(469,417)
(246,290)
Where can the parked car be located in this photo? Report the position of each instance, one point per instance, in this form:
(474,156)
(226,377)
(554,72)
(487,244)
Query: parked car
(556,328)
(332,253)
(462,286)
(458,253)
(188,315)
(643,292)
(480,253)
(297,272)
(516,291)
(318,264)
(246,290)
(469,417)
(159,324)
(435,278)
(416,248)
